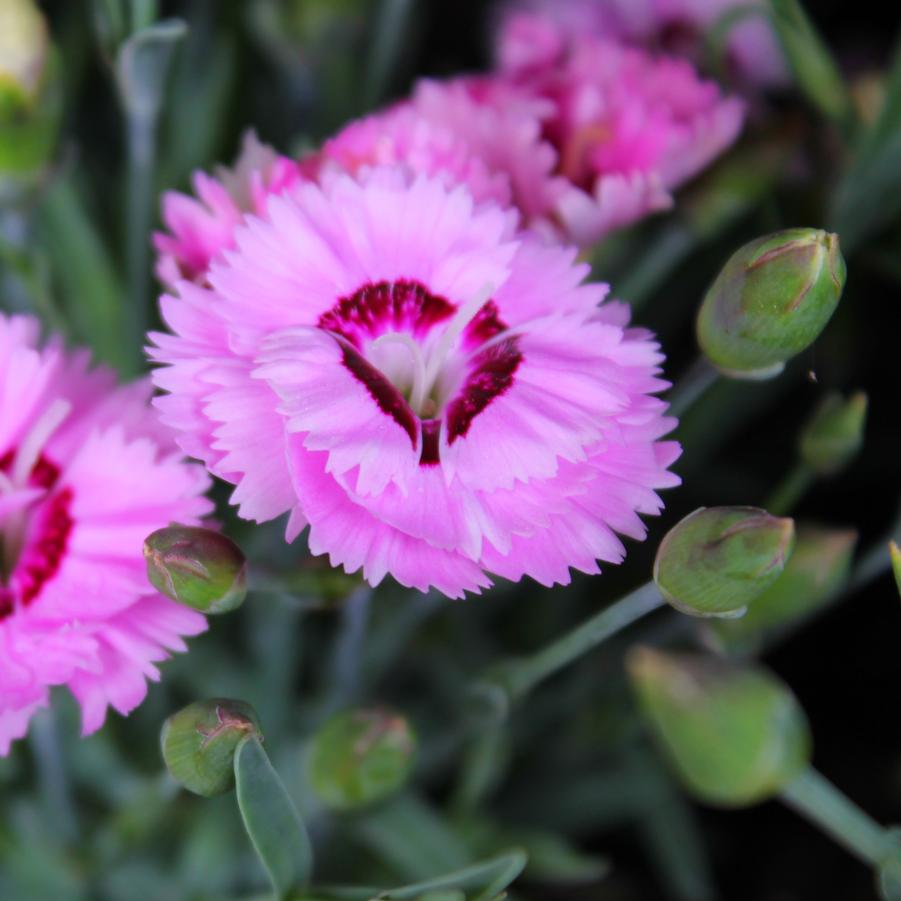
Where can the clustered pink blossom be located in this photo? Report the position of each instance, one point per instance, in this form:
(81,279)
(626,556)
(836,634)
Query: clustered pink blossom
(533,32)
(434,393)
(86,473)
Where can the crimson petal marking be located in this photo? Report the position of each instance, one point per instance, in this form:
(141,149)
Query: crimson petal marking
(389,399)
(45,548)
(386,307)
(491,377)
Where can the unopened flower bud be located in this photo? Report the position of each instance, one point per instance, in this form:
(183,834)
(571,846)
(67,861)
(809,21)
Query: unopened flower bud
(23,54)
(360,757)
(197,567)
(817,569)
(734,735)
(895,553)
(199,743)
(719,559)
(833,437)
(770,301)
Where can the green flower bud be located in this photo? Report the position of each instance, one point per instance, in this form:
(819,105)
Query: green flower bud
(770,301)
(895,554)
(23,54)
(360,757)
(734,735)
(199,743)
(197,567)
(817,569)
(719,559)
(834,435)
(888,872)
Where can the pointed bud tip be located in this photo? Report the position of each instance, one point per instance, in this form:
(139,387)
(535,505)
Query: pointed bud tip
(717,560)
(197,567)
(771,301)
(199,743)
(361,756)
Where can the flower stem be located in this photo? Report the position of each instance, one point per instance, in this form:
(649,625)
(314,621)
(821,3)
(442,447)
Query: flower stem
(517,678)
(815,798)
(141,141)
(790,490)
(691,386)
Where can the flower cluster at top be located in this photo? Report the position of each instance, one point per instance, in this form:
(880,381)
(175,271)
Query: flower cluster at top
(391,341)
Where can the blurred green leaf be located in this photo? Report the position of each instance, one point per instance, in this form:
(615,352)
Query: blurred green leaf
(83,272)
(868,197)
(815,70)
(481,881)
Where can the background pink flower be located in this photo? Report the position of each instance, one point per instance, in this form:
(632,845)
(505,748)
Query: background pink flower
(435,395)
(401,135)
(86,472)
(533,32)
(199,228)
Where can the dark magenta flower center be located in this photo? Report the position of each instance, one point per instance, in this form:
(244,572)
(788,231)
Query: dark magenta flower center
(32,548)
(424,361)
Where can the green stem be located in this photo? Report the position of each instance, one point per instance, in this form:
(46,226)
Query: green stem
(692,386)
(667,250)
(141,140)
(815,798)
(53,780)
(518,677)
(349,645)
(790,490)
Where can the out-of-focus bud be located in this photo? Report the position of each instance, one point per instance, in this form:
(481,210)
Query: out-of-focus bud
(888,873)
(30,99)
(360,757)
(770,301)
(197,567)
(734,735)
(895,553)
(199,743)
(719,559)
(815,572)
(834,435)
(23,54)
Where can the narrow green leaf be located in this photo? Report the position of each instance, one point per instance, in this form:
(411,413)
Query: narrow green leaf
(482,881)
(869,194)
(815,70)
(273,825)
(143,62)
(82,272)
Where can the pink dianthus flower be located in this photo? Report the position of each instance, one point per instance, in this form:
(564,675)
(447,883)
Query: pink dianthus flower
(86,473)
(532,32)
(593,139)
(400,135)
(437,396)
(200,228)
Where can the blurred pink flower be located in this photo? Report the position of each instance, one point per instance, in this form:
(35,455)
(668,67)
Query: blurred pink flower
(436,395)
(86,472)
(594,138)
(200,228)
(533,31)
(400,135)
